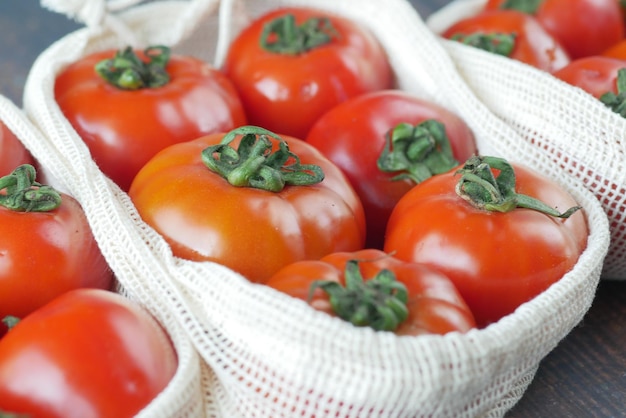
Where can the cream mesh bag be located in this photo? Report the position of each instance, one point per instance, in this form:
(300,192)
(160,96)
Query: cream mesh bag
(265,354)
(570,126)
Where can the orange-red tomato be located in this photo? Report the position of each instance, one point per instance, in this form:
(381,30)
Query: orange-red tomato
(597,75)
(12,152)
(617,50)
(433,304)
(88,353)
(253,231)
(286,89)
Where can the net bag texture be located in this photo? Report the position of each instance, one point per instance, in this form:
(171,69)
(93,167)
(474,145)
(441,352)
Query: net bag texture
(184,396)
(265,354)
(571,127)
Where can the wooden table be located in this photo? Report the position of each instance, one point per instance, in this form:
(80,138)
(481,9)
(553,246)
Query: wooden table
(584,376)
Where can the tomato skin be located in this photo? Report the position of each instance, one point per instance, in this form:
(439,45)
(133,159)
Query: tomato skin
(352,135)
(533,46)
(617,50)
(596,75)
(124,129)
(45,254)
(496,260)
(286,94)
(583,27)
(435,305)
(12,152)
(88,353)
(252,231)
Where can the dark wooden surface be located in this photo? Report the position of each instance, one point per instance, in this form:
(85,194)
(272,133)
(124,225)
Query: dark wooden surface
(584,376)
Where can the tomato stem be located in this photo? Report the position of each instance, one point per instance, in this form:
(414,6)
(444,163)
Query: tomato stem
(497,43)
(526,6)
(283,36)
(379,303)
(253,164)
(482,189)
(617,102)
(127,71)
(417,152)
(24,194)
(10,321)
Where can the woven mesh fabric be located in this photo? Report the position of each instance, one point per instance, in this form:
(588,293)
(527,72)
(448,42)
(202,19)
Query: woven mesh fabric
(576,131)
(264,354)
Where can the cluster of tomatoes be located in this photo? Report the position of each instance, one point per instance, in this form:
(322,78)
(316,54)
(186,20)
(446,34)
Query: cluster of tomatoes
(581,42)
(299,166)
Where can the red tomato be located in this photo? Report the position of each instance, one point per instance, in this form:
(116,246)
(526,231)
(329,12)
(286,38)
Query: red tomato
(354,134)
(12,152)
(285,90)
(47,247)
(347,283)
(205,216)
(597,75)
(617,50)
(583,27)
(88,353)
(497,260)
(513,34)
(125,127)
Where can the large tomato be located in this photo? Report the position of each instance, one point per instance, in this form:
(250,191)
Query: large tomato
(293,64)
(12,152)
(260,206)
(359,133)
(125,119)
(493,229)
(89,353)
(46,248)
(583,27)
(371,288)
(513,34)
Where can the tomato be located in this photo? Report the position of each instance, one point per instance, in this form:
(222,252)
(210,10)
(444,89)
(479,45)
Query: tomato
(12,152)
(238,219)
(371,288)
(499,253)
(47,246)
(354,134)
(88,353)
(293,64)
(125,121)
(617,50)
(512,34)
(583,27)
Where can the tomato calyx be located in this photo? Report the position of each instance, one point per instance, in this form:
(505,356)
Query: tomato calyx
(10,321)
(526,6)
(253,164)
(617,102)
(283,36)
(497,43)
(24,194)
(5,414)
(482,189)
(379,302)
(417,152)
(127,71)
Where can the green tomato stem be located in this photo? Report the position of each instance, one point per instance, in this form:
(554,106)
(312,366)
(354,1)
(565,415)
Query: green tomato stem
(24,194)
(482,189)
(417,152)
(526,6)
(253,164)
(127,71)
(497,43)
(283,36)
(10,321)
(380,303)
(617,102)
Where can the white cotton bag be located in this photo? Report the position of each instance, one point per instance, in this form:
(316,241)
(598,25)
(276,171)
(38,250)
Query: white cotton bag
(268,355)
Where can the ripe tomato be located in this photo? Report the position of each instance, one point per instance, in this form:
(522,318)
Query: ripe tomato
(353,135)
(12,152)
(254,231)
(293,64)
(501,254)
(512,34)
(47,246)
(125,126)
(371,288)
(88,353)
(583,27)
(617,50)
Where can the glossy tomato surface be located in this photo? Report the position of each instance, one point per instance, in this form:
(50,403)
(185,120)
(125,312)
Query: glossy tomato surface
(87,354)
(254,232)
(12,152)
(287,93)
(434,304)
(533,45)
(353,136)
(125,128)
(596,75)
(497,260)
(583,27)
